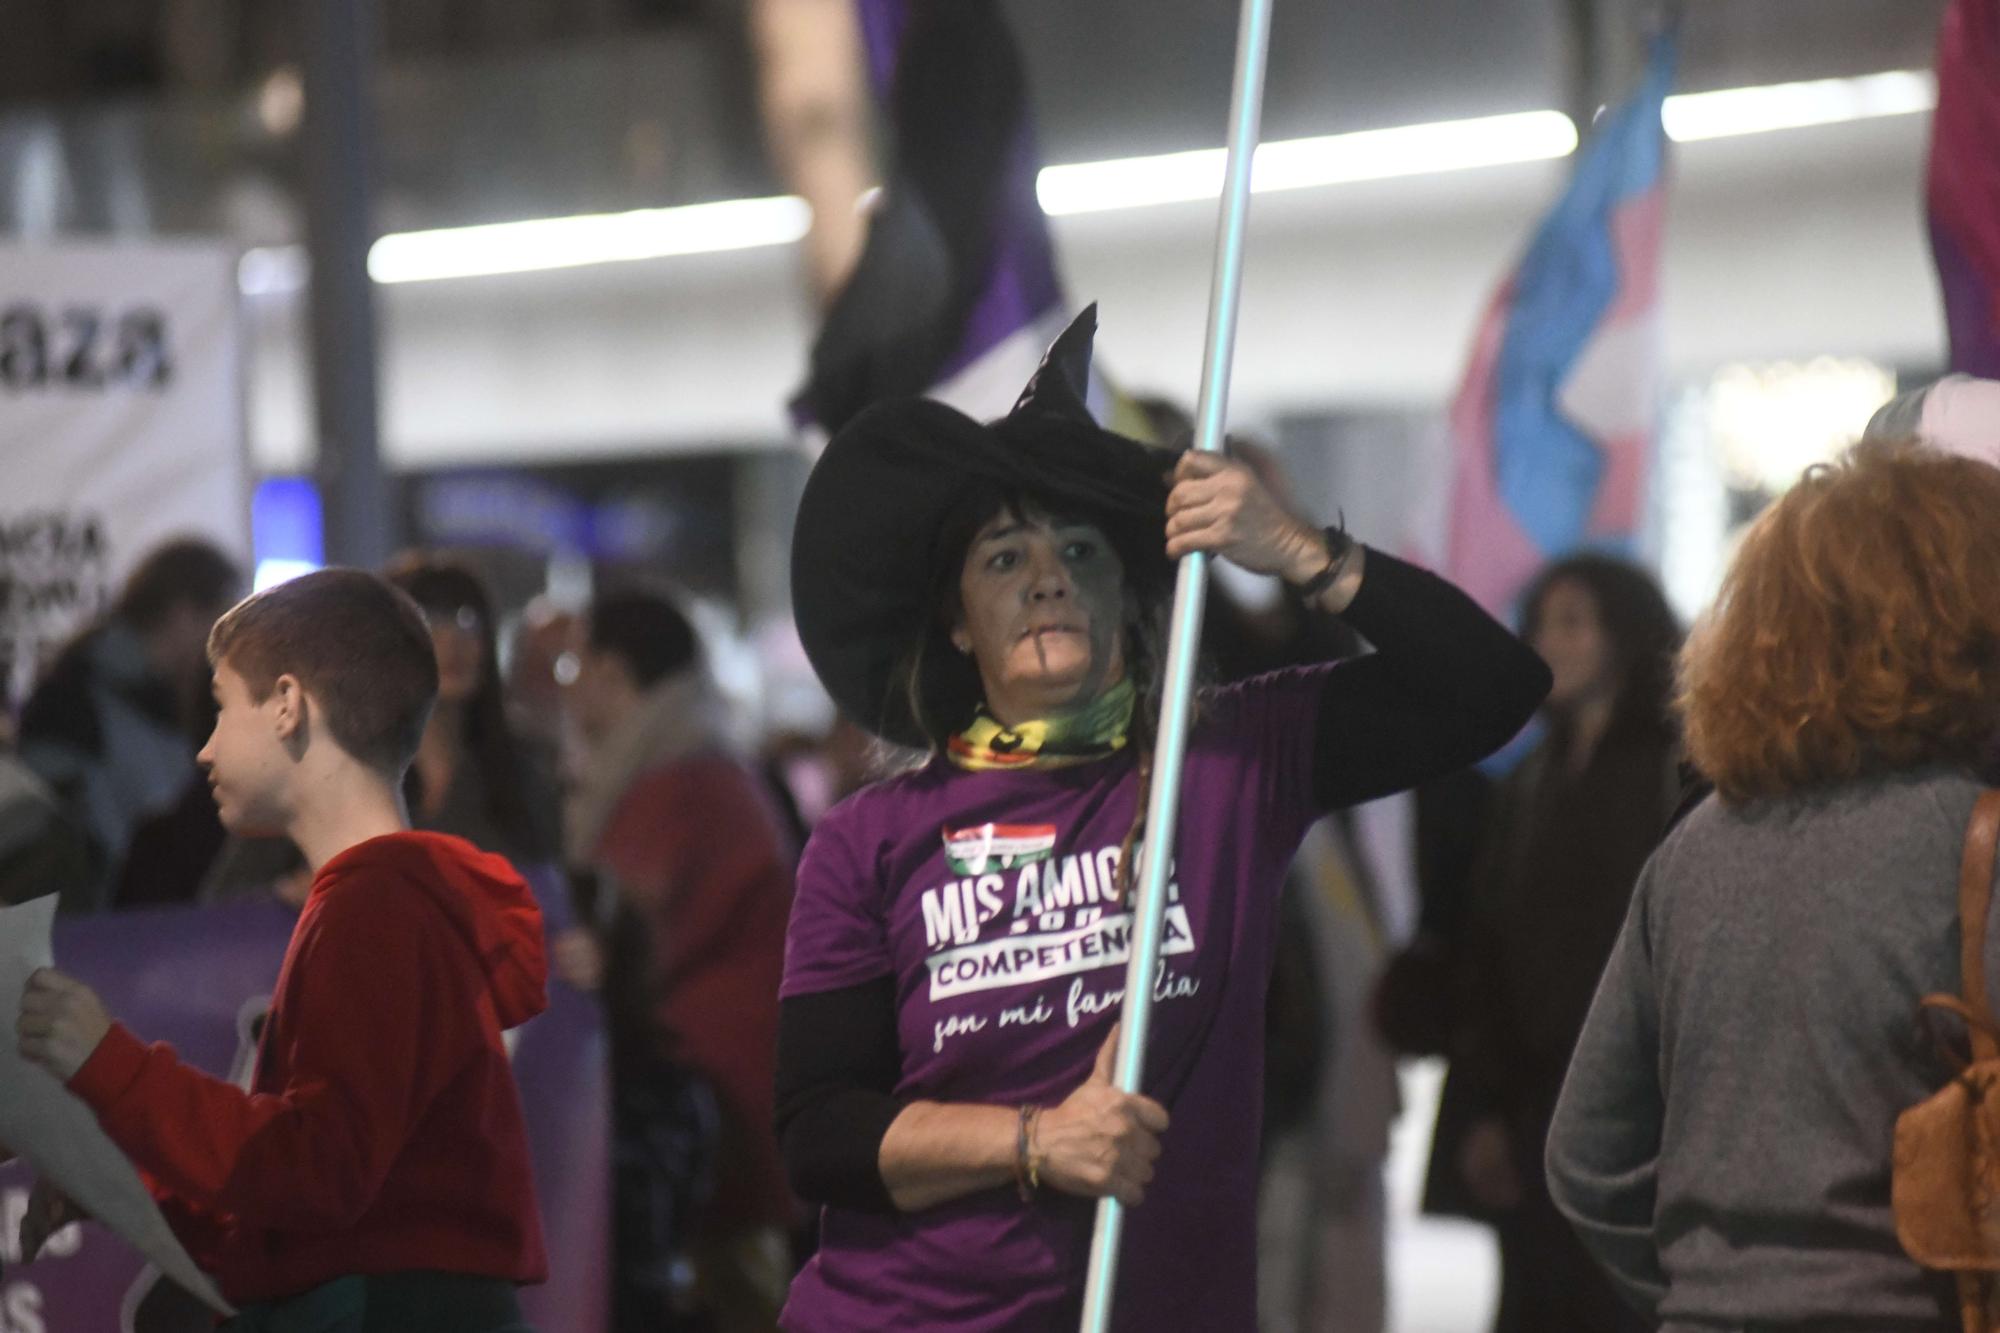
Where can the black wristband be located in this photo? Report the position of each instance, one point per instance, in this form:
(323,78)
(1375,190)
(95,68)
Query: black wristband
(1338,545)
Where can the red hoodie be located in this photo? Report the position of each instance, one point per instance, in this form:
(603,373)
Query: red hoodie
(383,1131)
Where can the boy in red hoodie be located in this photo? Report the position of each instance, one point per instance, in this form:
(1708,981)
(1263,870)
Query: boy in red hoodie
(378,1169)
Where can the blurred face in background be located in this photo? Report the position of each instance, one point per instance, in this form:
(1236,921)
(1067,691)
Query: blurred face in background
(458,637)
(179,644)
(598,692)
(1569,635)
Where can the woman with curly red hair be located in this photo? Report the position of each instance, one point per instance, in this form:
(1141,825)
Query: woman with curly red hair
(1723,1140)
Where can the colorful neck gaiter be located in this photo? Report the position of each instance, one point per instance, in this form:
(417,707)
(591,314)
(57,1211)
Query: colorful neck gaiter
(1090,733)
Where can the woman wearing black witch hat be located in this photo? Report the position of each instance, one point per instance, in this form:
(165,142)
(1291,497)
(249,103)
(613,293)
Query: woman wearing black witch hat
(958,942)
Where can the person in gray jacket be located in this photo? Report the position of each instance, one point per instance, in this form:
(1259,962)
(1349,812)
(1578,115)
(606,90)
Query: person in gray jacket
(110,727)
(1723,1140)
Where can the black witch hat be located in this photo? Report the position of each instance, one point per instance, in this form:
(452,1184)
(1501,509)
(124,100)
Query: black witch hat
(864,547)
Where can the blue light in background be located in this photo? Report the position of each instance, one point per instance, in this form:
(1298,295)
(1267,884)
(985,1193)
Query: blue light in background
(287,529)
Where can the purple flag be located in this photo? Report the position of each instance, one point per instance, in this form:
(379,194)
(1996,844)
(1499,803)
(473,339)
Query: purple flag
(958,268)
(1964,186)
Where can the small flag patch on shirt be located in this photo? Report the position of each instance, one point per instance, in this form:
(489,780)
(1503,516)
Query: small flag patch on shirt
(974,851)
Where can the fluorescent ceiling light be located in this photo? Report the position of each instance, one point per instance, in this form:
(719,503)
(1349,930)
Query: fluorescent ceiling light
(548,243)
(1788,106)
(1297,164)
(1088,187)
(1418,150)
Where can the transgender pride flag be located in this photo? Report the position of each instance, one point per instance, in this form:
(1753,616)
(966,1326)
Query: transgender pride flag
(1552,430)
(1965,183)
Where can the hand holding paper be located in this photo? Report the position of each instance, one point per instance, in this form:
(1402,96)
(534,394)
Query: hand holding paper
(58,1022)
(49,1211)
(61,1022)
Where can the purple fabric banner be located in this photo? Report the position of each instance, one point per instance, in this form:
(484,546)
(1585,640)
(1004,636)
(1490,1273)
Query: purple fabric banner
(199,978)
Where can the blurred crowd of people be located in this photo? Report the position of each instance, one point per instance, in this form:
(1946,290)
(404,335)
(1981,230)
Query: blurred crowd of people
(594,750)
(661,856)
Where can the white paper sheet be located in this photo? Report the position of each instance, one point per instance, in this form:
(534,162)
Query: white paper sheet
(58,1135)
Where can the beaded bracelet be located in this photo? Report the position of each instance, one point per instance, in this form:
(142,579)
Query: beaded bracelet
(1035,1150)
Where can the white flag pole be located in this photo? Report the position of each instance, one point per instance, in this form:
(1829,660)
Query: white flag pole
(1253,41)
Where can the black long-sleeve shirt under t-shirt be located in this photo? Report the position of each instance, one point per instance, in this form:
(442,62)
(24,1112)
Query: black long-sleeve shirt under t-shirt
(1445,686)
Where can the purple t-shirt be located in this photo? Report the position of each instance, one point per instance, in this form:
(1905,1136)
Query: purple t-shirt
(988,897)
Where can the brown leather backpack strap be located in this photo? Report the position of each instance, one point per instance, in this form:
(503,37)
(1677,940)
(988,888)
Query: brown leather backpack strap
(1975,895)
